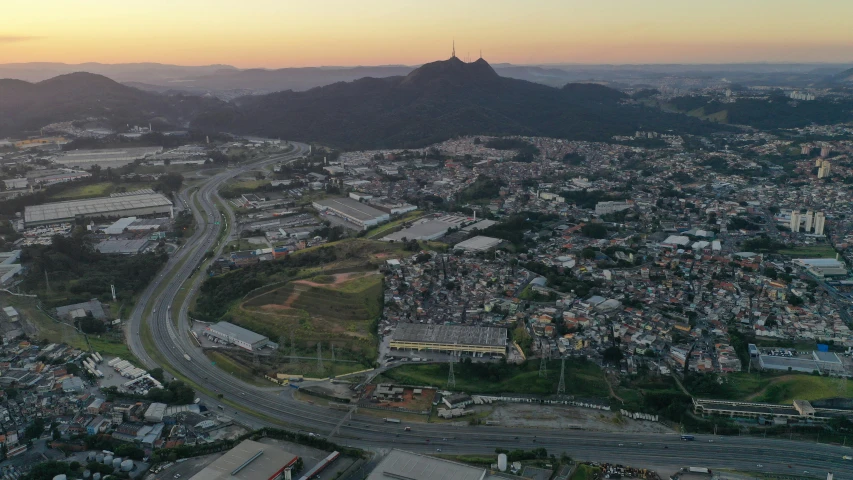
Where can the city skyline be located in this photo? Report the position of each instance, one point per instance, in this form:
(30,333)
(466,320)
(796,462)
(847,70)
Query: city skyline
(277,35)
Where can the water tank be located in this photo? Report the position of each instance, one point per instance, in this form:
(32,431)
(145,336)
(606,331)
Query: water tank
(61,476)
(87,474)
(108,460)
(96,476)
(116,462)
(99,458)
(127,465)
(502,462)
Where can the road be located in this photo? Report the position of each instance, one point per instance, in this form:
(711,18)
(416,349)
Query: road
(276,407)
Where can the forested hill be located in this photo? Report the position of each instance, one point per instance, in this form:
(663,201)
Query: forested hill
(437,101)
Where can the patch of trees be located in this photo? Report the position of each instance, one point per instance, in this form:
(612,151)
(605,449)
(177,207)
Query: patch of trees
(763,243)
(169,183)
(562,282)
(594,230)
(80,273)
(91,325)
(177,393)
(574,159)
(741,223)
(483,188)
(588,198)
(525,151)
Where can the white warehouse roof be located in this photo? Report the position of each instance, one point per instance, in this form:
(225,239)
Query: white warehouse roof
(64,211)
(240,333)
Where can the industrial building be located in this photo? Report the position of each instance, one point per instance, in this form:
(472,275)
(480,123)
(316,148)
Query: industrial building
(250,460)
(478,244)
(141,202)
(824,362)
(353,211)
(155,412)
(799,411)
(79,310)
(114,158)
(399,464)
(450,338)
(822,267)
(603,208)
(427,229)
(122,247)
(232,334)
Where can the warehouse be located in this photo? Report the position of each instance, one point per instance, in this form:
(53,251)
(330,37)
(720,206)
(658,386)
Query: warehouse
(399,464)
(114,158)
(353,211)
(429,229)
(232,334)
(450,338)
(116,205)
(823,267)
(250,460)
(122,247)
(478,244)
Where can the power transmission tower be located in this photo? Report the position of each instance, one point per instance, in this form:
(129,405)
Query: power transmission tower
(292,348)
(319,357)
(561,387)
(451,379)
(543,367)
(333,352)
(46,282)
(255,361)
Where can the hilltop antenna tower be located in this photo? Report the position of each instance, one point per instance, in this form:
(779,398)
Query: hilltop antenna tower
(561,387)
(451,379)
(453,53)
(319,356)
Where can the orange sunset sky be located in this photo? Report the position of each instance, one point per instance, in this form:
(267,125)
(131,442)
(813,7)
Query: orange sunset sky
(285,33)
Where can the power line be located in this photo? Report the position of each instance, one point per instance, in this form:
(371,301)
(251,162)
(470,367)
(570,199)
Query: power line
(561,388)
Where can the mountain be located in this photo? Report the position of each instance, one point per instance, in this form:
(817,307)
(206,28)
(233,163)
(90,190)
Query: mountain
(155,73)
(437,101)
(844,78)
(76,96)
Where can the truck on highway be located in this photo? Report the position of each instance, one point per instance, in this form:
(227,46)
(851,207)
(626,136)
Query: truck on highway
(407,429)
(688,437)
(392,420)
(698,470)
(187,357)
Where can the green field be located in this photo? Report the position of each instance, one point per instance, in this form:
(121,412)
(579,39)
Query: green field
(582,378)
(48,329)
(584,472)
(100,189)
(112,347)
(783,388)
(811,251)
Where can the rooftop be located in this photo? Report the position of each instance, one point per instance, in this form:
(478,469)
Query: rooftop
(412,466)
(353,208)
(478,243)
(249,460)
(92,206)
(240,333)
(450,334)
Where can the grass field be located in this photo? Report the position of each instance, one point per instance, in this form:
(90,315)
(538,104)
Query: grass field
(100,189)
(582,378)
(584,472)
(785,388)
(48,329)
(113,348)
(811,251)
(235,368)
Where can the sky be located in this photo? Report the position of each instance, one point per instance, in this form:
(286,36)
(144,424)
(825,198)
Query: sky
(296,33)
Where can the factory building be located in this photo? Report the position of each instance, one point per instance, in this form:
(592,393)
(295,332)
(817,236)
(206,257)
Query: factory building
(250,460)
(799,411)
(478,244)
(822,267)
(114,158)
(399,464)
(353,211)
(603,208)
(140,202)
(450,338)
(232,334)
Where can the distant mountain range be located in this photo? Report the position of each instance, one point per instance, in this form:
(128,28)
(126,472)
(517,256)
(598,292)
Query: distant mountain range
(229,82)
(438,101)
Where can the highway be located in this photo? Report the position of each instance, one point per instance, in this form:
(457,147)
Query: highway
(276,407)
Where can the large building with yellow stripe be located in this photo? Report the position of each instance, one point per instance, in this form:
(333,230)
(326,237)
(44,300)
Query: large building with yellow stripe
(450,338)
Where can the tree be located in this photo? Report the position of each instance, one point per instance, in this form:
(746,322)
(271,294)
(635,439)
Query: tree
(613,354)
(594,230)
(35,429)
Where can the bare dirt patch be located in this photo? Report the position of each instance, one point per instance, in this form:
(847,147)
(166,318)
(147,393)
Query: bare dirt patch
(549,416)
(339,278)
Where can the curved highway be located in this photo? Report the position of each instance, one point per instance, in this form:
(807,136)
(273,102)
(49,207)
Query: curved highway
(274,406)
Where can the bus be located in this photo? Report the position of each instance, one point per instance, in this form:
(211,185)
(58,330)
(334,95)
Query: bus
(688,437)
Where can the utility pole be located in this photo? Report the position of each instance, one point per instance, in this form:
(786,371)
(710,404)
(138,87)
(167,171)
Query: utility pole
(319,357)
(561,387)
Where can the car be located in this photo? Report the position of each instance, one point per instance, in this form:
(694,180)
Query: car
(759,465)
(806,472)
(621,444)
(710,441)
(177,475)
(437,449)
